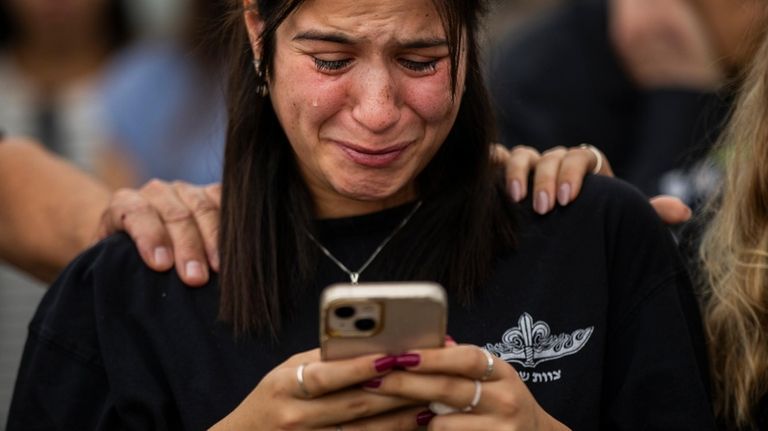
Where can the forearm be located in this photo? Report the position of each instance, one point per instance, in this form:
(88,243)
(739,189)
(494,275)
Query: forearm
(49,210)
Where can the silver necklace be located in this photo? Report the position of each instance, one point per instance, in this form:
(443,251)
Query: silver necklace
(354,276)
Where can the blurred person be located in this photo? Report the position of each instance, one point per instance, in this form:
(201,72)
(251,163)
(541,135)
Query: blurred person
(342,137)
(164,101)
(646,81)
(52,58)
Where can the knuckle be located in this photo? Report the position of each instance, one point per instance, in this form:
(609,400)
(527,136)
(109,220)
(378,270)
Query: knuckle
(196,200)
(175,214)
(154,185)
(290,419)
(316,382)
(553,150)
(180,185)
(509,402)
(202,206)
(123,194)
(524,148)
(446,386)
(360,407)
(543,180)
(470,360)
(134,209)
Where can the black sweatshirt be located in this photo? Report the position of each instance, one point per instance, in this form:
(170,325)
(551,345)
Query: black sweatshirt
(593,308)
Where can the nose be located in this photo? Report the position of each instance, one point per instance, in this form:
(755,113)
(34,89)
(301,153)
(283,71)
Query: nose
(377,105)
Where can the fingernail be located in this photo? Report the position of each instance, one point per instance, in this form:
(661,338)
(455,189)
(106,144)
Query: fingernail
(408,360)
(564,194)
(385,364)
(541,203)
(449,339)
(163,257)
(194,269)
(373,383)
(424,418)
(517,190)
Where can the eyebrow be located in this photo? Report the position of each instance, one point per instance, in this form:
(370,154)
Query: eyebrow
(341,38)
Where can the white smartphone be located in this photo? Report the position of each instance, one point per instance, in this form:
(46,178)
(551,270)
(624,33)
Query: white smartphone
(386,318)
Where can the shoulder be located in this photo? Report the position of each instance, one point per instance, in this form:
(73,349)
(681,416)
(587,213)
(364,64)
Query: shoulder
(115,258)
(103,283)
(611,225)
(610,203)
(612,195)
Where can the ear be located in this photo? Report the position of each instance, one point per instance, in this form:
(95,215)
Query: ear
(255,26)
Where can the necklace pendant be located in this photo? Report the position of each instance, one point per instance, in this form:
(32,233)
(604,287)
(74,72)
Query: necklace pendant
(353,277)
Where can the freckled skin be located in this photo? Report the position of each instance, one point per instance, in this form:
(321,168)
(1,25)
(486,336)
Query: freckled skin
(375,102)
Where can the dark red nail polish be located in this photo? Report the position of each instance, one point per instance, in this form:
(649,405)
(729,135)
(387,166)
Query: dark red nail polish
(408,360)
(373,383)
(385,364)
(423,418)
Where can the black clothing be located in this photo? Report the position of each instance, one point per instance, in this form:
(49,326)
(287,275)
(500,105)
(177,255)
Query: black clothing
(559,82)
(595,297)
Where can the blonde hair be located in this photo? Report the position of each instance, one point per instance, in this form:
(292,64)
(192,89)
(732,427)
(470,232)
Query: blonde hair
(734,254)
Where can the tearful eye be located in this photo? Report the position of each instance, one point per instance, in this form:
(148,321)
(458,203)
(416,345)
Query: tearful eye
(331,65)
(419,66)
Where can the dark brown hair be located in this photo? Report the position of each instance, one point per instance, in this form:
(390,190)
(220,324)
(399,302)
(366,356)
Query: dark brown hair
(267,257)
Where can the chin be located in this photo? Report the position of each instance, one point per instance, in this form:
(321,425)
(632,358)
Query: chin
(367,191)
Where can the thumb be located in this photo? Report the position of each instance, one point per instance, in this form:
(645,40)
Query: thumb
(670,209)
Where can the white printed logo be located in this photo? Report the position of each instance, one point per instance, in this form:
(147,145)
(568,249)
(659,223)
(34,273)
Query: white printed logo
(531,343)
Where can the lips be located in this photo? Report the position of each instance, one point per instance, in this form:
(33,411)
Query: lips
(379,158)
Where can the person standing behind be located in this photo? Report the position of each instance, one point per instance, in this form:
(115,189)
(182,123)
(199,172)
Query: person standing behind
(643,80)
(52,57)
(164,101)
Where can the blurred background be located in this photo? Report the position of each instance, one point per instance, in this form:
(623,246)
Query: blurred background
(127,91)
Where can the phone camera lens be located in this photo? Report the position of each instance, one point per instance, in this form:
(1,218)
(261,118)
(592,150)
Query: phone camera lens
(365,324)
(345,312)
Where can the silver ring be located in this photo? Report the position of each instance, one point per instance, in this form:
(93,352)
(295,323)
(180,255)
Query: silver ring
(300,380)
(598,156)
(475,398)
(489,364)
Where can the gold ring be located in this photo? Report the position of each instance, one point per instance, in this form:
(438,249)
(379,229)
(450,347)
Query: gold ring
(489,364)
(300,380)
(598,156)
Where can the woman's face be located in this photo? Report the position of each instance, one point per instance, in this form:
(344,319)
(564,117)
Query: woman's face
(363,91)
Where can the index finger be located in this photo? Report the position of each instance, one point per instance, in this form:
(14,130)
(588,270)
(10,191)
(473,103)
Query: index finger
(188,248)
(323,377)
(465,360)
